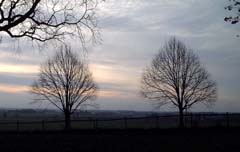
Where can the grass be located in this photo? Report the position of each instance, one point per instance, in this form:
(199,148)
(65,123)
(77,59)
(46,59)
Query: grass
(132,140)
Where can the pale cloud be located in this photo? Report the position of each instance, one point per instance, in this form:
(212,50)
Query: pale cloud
(115,74)
(23,69)
(116,94)
(13,88)
(132,33)
(135,31)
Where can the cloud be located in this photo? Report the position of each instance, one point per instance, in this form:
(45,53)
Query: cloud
(24,69)
(132,33)
(16,79)
(133,36)
(13,88)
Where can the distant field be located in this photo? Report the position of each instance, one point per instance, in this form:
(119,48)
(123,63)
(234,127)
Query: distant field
(147,122)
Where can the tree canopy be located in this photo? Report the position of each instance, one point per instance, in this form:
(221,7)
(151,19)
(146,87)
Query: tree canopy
(66,82)
(45,20)
(177,77)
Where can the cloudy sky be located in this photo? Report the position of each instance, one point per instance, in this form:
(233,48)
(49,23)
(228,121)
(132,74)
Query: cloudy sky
(132,33)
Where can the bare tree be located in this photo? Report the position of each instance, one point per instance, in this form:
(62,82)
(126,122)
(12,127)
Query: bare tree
(66,82)
(44,20)
(177,77)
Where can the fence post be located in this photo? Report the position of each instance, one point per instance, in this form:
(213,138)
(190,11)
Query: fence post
(191,119)
(18,125)
(199,120)
(92,121)
(227,116)
(43,125)
(185,115)
(157,122)
(96,124)
(125,123)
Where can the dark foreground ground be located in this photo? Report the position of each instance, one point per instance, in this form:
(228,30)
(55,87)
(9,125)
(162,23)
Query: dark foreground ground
(194,140)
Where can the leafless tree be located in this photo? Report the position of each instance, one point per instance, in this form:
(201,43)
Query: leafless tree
(177,77)
(66,82)
(45,20)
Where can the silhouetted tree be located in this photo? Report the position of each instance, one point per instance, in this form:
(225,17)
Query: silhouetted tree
(66,82)
(177,77)
(44,20)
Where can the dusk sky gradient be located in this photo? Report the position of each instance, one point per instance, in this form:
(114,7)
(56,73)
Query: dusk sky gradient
(132,32)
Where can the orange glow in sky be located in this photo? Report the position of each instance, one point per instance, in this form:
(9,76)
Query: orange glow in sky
(13,88)
(24,69)
(101,74)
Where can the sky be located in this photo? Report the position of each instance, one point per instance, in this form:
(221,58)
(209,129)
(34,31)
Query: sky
(132,32)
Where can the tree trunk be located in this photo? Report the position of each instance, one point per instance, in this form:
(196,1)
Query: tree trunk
(181,118)
(67,121)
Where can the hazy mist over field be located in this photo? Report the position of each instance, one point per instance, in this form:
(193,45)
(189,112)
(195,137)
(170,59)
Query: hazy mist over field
(131,33)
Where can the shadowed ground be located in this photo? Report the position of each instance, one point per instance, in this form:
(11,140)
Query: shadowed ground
(195,140)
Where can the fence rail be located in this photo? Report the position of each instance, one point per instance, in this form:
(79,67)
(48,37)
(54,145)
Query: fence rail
(158,121)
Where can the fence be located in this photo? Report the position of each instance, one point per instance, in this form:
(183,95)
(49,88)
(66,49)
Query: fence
(150,122)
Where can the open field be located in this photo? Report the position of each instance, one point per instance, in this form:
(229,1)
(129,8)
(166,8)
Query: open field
(200,120)
(194,140)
